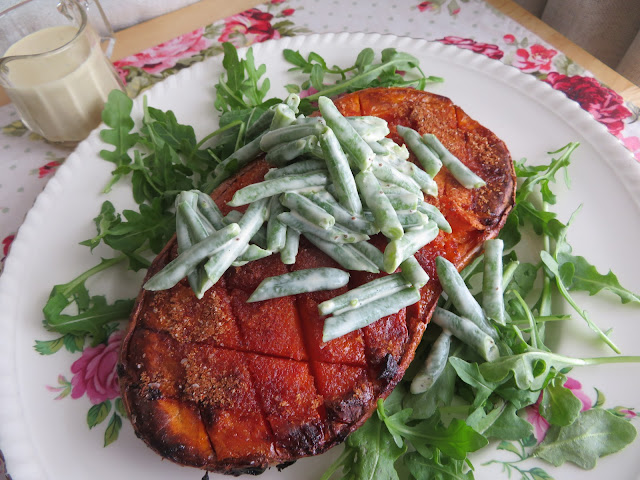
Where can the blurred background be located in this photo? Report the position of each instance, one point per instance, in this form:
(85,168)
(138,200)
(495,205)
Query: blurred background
(607,29)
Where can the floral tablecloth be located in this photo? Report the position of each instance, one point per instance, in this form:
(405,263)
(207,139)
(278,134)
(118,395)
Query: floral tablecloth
(27,161)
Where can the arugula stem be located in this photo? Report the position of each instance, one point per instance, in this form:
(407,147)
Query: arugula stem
(344,458)
(103,265)
(455,409)
(228,126)
(344,86)
(535,340)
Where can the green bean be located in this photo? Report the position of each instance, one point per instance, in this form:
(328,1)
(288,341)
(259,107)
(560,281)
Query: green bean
(302,120)
(434,365)
(355,223)
(385,216)
(293,102)
(342,254)
(412,219)
(290,250)
(283,116)
(234,162)
(284,153)
(210,211)
(492,290)
(250,223)
(189,259)
(276,230)
(287,134)
(370,128)
(369,252)
(261,125)
(182,234)
(508,273)
(434,214)
(233,216)
(189,223)
(459,170)
(338,325)
(347,136)
(250,254)
(296,168)
(184,242)
(427,184)
(430,162)
(398,151)
(340,172)
(366,293)
(402,201)
(307,209)
(398,250)
(413,272)
(335,234)
(276,186)
(260,237)
(467,332)
(418,176)
(197,226)
(400,198)
(386,173)
(460,296)
(300,281)
(377,148)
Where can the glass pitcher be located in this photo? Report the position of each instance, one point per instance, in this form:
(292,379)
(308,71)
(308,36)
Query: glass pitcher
(54,69)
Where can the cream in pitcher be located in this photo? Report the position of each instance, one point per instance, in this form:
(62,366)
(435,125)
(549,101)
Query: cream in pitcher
(59,78)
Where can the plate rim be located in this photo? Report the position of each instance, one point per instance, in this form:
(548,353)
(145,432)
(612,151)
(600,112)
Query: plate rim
(18,448)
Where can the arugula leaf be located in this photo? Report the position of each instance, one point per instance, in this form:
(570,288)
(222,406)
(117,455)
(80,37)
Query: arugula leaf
(364,73)
(585,277)
(117,115)
(423,468)
(559,406)
(243,87)
(530,369)
(455,440)
(49,347)
(105,220)
(93,313)
(470,374)
(509,426)
(375,452)
(594,434)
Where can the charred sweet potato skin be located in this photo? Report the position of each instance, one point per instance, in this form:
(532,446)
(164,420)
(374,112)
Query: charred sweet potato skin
(232,387)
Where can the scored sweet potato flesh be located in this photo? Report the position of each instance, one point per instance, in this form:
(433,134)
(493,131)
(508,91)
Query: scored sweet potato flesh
(234,387)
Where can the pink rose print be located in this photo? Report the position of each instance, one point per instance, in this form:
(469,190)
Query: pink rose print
(509,39)
(633,144)
(95,371)
(491,51)
(6,244)
(604,104)
(49,168)
(540,424)
(536,60)
(167,54)
(628,413)
(288,12)
(254,24)
(276,2)
(426,6)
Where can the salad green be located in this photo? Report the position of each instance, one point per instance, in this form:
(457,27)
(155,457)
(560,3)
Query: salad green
(468,401)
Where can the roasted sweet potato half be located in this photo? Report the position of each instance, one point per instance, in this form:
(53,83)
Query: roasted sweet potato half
(234,387)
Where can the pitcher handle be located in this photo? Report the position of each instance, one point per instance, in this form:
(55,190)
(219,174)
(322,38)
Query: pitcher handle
(107,35)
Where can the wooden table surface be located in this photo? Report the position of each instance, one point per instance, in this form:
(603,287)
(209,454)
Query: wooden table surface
(144,35)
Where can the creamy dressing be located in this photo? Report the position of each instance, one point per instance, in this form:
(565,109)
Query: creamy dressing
(60,95)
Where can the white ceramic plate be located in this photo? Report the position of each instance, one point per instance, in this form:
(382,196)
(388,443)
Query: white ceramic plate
(47,439)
